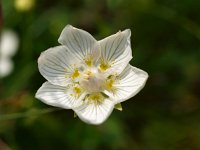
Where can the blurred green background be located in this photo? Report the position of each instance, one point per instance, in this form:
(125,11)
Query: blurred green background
(165,115)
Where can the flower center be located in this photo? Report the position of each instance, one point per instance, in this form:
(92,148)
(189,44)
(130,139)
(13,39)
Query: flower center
(93,80)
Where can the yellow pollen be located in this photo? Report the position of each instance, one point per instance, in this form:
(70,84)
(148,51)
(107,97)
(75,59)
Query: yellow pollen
(77,90)
(109,83)
(75,74)
(89,61)
(95,98)
(104,66)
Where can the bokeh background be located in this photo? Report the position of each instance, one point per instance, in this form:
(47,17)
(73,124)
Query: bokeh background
(165,115)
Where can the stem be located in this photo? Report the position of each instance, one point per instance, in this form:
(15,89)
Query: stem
(27,114)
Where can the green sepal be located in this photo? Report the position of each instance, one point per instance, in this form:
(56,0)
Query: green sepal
(75,115)
(118,106)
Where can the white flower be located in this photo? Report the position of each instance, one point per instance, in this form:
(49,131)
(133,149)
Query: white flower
(89,76)
(9,42)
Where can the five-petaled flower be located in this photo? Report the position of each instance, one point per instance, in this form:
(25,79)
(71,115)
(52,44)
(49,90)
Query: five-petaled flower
(88,76)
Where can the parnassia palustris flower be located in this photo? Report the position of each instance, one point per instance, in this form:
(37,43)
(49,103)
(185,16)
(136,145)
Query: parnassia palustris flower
(88,76)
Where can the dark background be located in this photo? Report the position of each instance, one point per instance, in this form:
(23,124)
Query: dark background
(165,115)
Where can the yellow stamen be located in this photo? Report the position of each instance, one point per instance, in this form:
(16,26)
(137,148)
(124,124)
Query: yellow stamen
(89,61)
(104,66)
(77,90)
(95,98)
(75,74)
(109,83)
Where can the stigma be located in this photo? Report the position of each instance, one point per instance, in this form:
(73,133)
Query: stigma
(93,81)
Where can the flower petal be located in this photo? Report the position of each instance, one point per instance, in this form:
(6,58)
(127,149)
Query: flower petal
(6,66)
(57,96)
(9,43)
(79,42)
(128,84)
(116,51)
(55,64)
(95,113)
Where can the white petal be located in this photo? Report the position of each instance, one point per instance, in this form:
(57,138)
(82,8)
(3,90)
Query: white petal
(9,43)
(79,42)
(128,84)
(58,96)
(120,63)
(116,51)
(55,64)
(93,113)
(6,66)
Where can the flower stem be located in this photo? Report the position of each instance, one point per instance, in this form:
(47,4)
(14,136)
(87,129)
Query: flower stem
(27,114)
